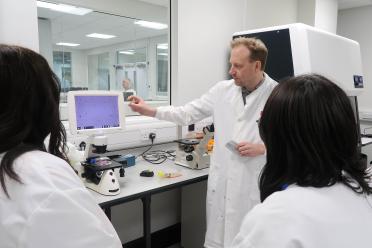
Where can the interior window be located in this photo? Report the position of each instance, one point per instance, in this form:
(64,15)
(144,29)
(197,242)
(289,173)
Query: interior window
(162,69)
(62,67)
(132,67)
(92,50)
(99,71)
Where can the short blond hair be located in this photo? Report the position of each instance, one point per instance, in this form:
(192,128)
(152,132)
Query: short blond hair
(255,46)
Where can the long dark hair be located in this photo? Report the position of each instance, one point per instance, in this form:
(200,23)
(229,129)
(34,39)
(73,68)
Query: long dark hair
(310,133)
(29,112)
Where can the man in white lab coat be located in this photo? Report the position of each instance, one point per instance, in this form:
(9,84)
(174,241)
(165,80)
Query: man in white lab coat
(236,107)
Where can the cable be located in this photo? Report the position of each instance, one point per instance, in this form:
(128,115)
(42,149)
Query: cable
(158,156)
(152,143)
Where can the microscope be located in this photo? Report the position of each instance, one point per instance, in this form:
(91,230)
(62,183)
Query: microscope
(98,171)
(193,153)
(95,114)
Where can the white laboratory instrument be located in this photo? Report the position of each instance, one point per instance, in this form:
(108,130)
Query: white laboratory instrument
(96,113)
(193,153)
(296,49)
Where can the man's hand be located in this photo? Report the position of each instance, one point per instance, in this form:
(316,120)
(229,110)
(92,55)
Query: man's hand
(137,104)
(246,149)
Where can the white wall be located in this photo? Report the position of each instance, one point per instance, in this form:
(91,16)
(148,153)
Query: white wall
(318,13)
(269,13)
(306,12)
(201,46)
(18,23)
(355,24)
(326,15)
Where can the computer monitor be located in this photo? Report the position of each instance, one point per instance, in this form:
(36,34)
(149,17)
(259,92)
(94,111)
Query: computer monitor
(92,112)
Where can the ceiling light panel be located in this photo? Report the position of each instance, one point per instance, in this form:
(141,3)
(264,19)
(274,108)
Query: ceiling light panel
(163,46)
(64,8)
(100,36)
(67,44)
(128,52)
(153,25)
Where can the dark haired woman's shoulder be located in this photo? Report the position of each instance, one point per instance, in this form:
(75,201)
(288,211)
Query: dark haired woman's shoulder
(51,195)
(42,175)
(297,195)
(293,217)
(47,169)
(312,202)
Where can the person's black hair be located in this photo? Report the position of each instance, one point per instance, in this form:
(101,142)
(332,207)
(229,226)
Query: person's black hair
(29,108)
(310,133)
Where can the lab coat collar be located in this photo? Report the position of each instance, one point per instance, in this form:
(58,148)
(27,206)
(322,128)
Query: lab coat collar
(237,100)
(243,88)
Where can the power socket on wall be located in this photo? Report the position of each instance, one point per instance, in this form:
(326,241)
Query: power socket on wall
(145,134)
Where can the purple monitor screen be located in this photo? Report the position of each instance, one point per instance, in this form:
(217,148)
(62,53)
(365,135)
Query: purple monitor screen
(96,112)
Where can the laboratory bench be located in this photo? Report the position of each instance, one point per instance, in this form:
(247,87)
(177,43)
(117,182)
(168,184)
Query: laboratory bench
(133,186)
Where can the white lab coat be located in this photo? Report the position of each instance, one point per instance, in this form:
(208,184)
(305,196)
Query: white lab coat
(307,217)
(233,180)
(51,208)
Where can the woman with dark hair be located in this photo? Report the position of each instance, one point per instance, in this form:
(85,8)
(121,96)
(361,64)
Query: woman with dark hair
(42,201)
(315,192)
